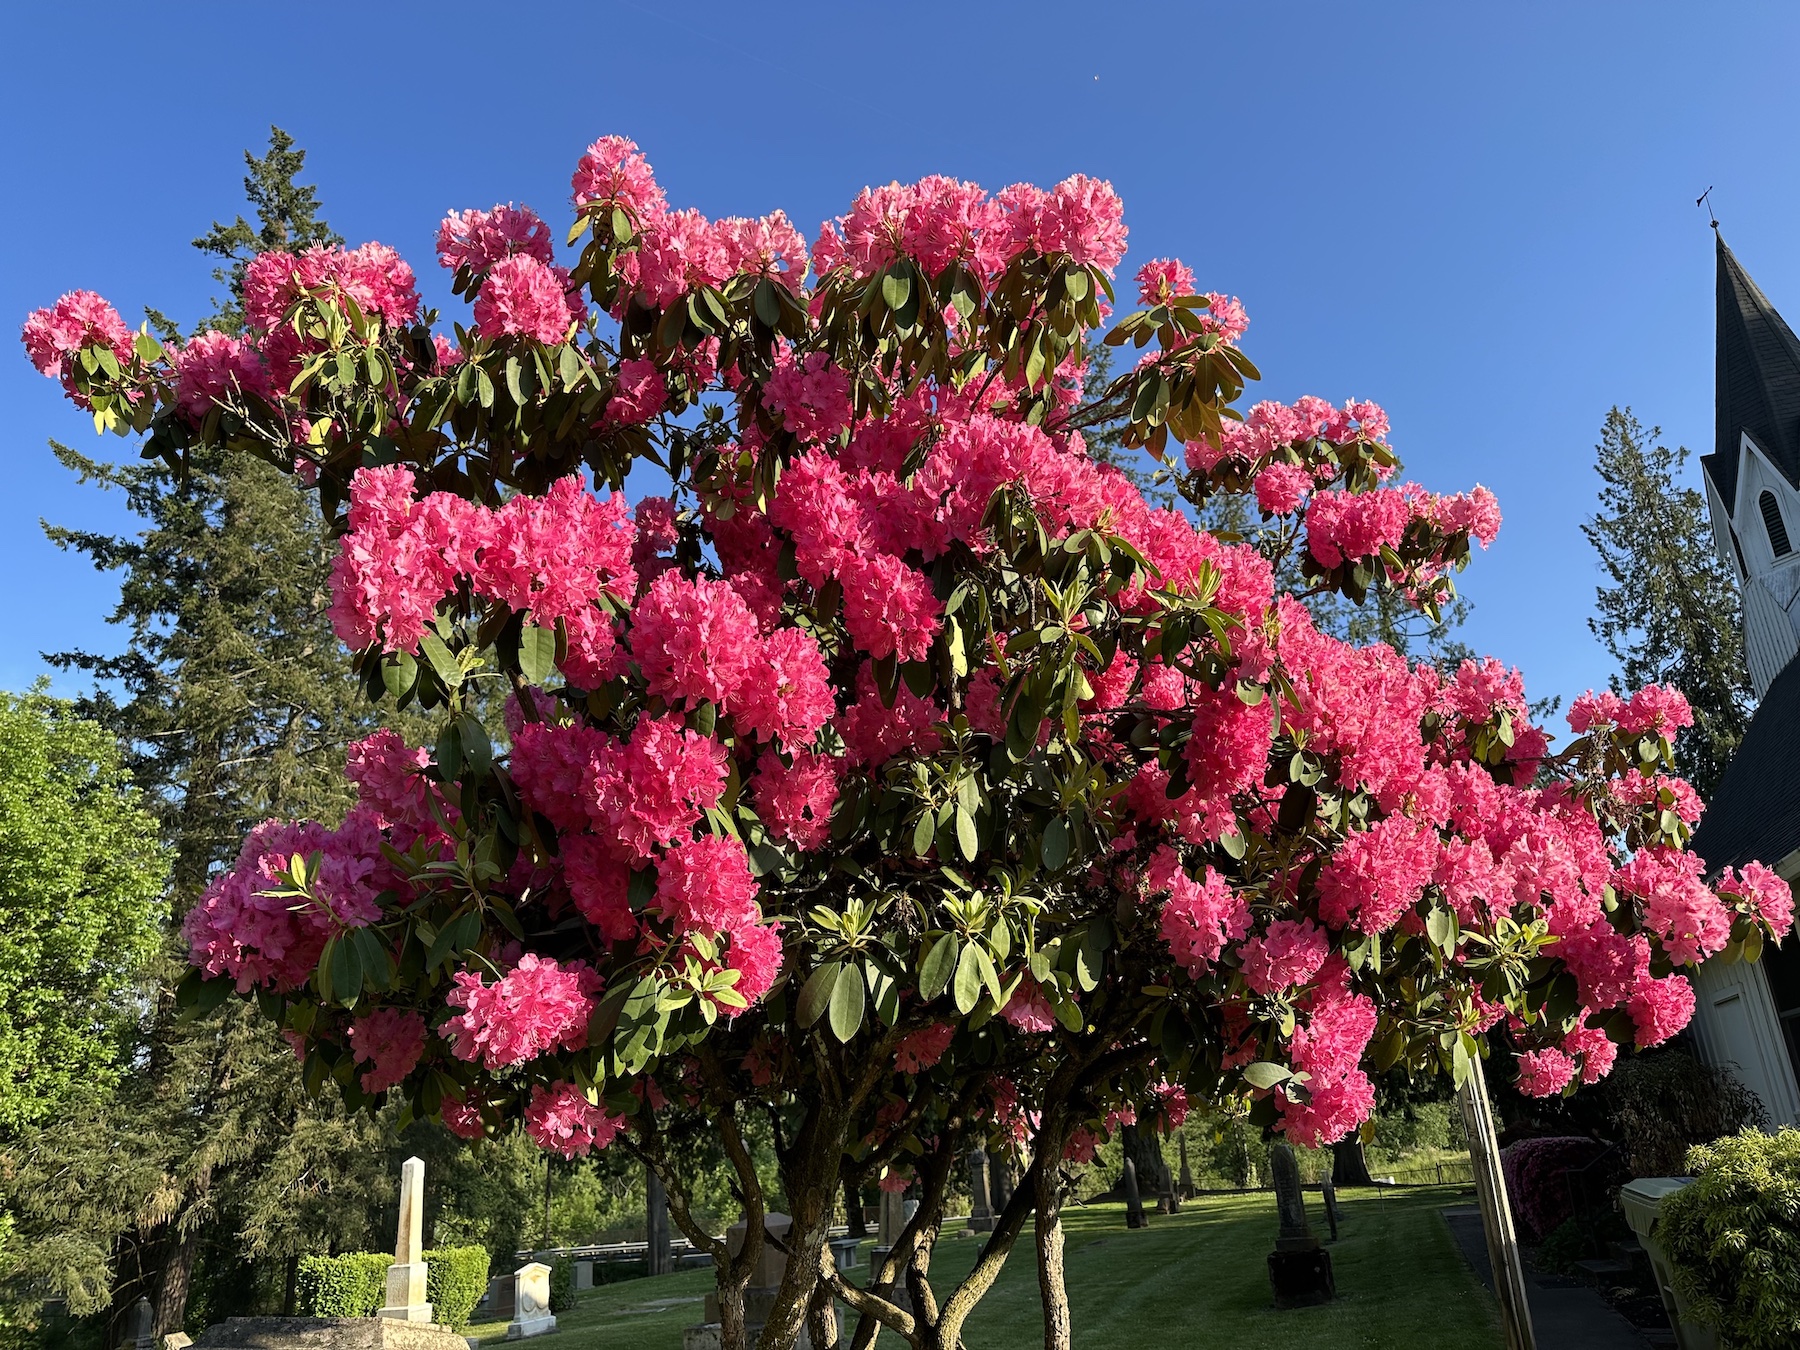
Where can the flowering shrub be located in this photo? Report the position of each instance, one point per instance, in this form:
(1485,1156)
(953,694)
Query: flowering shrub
(1537,1179)
(900,770)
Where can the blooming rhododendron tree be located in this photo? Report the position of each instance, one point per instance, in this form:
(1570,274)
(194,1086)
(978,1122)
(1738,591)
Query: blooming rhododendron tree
(896,768)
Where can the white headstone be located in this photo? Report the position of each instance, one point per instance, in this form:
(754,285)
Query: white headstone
(531,1303)
(406,1301)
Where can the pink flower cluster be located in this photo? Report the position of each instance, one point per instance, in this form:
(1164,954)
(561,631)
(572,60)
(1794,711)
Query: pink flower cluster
(1199,917)
(562,1120)
(391,1041)
(698,641)
(55,336)
(1655,707)
(213,369)
(920,1050)
(938,221)
(476,240)
(241,929)
(522,297)
(795,800)
(550,557)
(536,1007)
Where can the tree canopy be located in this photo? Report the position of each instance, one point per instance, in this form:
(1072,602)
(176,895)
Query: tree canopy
(902,776)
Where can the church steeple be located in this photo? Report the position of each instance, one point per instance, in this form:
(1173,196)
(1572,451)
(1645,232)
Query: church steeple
(1753,473)
(1757,380)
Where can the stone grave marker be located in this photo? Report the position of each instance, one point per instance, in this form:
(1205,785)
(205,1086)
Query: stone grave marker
(1329,1191)
(584,1274)
(1299,1269)
(981,1210)
(1187,1177)
(406,1301)
(531,1303)
(659,1257)
(501,1297)
(141,1330)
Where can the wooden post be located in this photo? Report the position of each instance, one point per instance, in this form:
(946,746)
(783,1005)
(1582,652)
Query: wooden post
(1496,1216)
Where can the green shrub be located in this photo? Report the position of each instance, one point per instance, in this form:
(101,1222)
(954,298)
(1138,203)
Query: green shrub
(456,1280)
(562,1285)
(351,1285)
(1733,1238)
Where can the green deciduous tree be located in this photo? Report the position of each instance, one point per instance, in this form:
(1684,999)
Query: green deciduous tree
(1668,609)
(81,879)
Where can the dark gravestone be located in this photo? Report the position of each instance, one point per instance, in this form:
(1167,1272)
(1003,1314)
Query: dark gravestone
(1329,1190)
(981,1210)
(1134,1204)
(1299,1269)
(659,1259)
(1187,1177)
(140,1331)
(1000,1183)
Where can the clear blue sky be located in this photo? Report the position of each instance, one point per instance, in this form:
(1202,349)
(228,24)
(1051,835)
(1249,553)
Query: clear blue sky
(1480,216)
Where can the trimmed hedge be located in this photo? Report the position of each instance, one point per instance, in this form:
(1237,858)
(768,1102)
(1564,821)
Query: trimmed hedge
(562,1285)
(455,1282)
(1733,1238)
(351,1285)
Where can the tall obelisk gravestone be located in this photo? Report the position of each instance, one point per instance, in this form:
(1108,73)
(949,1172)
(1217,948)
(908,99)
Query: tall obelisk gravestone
(406,1300)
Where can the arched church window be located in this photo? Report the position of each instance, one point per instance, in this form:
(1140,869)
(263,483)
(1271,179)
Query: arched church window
(1773,523)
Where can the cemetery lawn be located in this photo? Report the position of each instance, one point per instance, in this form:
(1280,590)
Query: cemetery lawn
(1196,1279)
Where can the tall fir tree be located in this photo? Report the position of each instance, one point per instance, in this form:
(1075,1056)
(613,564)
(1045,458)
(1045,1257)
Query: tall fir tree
(233,701)
(1668,610)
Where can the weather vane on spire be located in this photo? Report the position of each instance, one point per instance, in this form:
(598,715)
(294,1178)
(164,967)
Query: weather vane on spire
(1701,200)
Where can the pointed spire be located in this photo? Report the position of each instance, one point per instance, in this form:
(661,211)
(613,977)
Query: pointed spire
(1757,378)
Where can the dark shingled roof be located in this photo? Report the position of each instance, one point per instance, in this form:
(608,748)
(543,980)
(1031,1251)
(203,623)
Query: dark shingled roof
(1757,380)
(1754,815)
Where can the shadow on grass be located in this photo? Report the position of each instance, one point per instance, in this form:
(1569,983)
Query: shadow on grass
(1195,1279)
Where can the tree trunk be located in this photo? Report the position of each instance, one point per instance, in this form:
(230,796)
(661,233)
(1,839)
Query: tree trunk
(177,1278)
(810,1177)
(1145,1151)
(290,1286)
(1348,1165)
(1051,1285)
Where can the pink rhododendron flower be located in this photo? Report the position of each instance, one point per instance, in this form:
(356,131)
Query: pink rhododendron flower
(390,1040)
(1660,1008)
(919,1050)
(795,801)
(1028,1009)
(1162,279)
(536,1007)
(1199,916)
(476,240)
(704,885)
(212,370)
(614,172)
(1288,954)
(523,297)
(1544,1073)
(640,394)
(562,1120)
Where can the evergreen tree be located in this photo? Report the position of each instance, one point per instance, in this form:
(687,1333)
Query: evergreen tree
(234,702)
(1668,612)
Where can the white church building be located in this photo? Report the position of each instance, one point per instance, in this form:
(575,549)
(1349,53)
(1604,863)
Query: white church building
(1748,1014)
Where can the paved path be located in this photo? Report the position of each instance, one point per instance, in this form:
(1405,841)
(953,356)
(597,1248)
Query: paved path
(1565,1314)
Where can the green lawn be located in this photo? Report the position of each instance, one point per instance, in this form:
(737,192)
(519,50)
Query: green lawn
(1197,1279)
